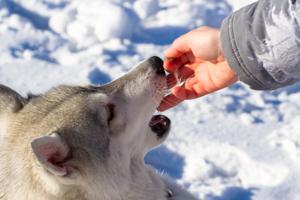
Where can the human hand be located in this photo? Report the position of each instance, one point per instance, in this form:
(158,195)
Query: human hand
(197,60)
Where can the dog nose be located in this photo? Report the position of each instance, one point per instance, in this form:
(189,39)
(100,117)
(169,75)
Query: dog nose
(160,125)
(157,63)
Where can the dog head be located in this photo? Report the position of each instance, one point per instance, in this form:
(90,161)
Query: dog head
(79,135)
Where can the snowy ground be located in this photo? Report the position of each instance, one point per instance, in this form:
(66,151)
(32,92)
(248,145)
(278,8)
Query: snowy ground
(236,144)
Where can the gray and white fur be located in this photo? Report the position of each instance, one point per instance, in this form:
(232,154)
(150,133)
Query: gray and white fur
(86,143)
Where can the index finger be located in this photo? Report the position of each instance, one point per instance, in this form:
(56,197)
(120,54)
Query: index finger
(179,47)
(169,102)
(178,54)
(173,64)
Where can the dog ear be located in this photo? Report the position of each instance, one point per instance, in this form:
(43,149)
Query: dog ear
(52,152)
(10,100)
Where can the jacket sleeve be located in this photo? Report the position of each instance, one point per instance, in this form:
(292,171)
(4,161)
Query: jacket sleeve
(262,43)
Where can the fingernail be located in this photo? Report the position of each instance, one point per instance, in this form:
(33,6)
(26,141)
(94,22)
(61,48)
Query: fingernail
(169,59)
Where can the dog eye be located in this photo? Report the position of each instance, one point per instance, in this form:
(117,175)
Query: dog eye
(111,112)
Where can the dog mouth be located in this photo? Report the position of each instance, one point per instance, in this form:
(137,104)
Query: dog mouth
(160,125)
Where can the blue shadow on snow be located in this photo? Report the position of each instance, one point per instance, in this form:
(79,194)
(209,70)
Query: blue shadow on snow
(54,5)
(159,35)
(295,88)
(164,35)
(38,21)
(166,161)
(98,77)
(214,15)
(39,52)
(234,193)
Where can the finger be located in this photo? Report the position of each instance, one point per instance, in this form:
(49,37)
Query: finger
(179,47)
(173,64)
(183,73)
(190,82)
(200,90)
(168,102)
(193,84)
(171,81)
(181,93)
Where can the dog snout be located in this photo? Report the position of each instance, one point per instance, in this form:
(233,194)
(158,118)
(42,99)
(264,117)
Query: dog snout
(157,64)
(149,74)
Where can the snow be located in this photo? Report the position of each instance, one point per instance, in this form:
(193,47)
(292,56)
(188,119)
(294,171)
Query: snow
(146,8)
(89,22)
(236,144)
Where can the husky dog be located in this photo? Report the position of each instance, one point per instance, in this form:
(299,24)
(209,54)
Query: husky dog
(86,143)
